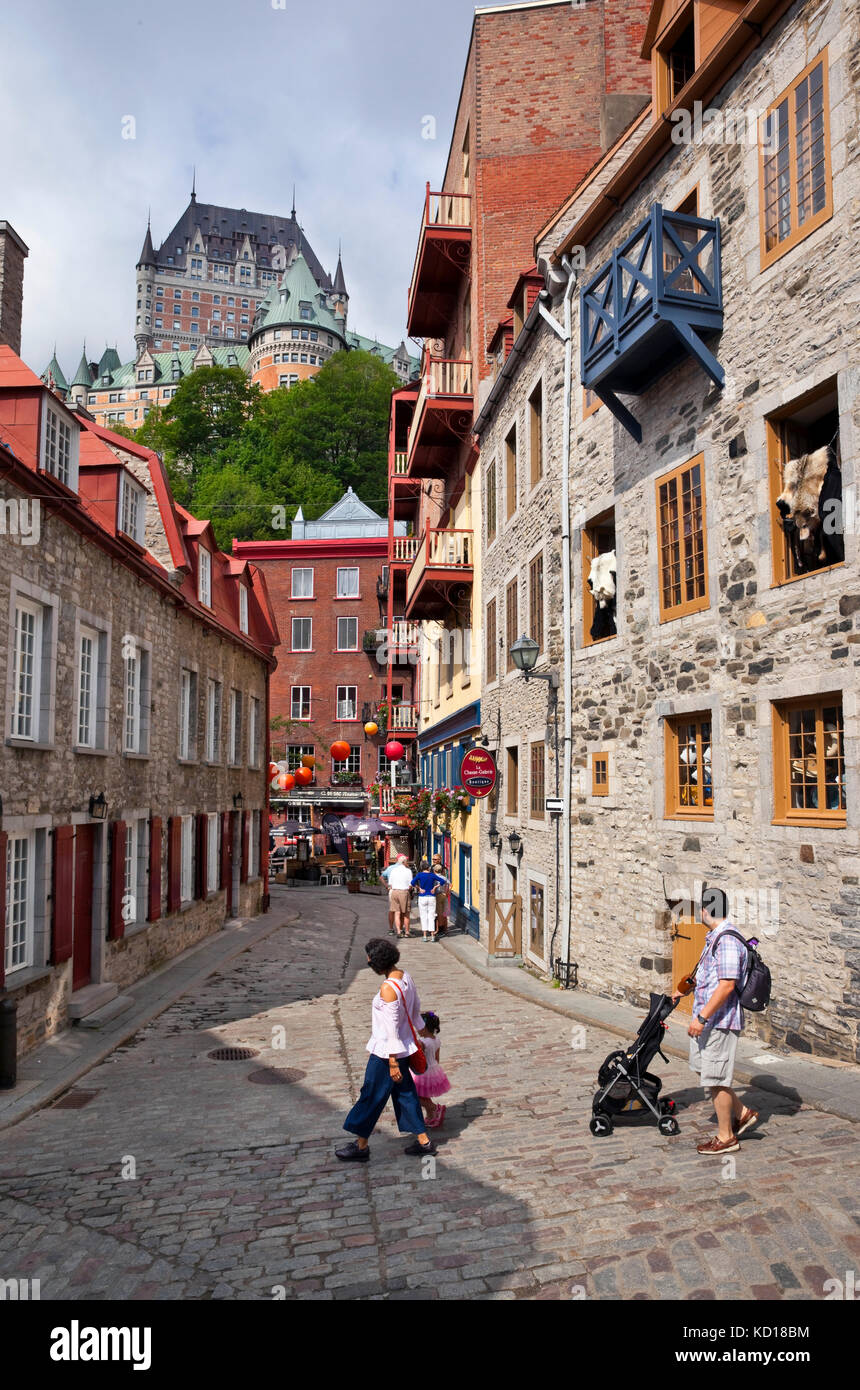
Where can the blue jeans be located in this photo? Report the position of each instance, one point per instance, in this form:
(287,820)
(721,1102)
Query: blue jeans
(378,1086)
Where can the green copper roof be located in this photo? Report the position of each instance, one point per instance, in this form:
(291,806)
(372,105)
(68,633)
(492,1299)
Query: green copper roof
(388,354)
(54,371)
(298,287)
(109,361)
(125,375)
(83,376)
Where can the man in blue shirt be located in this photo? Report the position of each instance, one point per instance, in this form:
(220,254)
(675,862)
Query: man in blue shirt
(427,883)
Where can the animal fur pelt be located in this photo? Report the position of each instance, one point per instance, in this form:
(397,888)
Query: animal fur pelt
(810,506)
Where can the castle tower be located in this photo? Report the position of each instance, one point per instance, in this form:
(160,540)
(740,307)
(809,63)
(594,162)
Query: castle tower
(339,299)
(81,381)
(143,337)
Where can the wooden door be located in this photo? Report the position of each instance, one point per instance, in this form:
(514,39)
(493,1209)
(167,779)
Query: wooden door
(83,916)
(688,942)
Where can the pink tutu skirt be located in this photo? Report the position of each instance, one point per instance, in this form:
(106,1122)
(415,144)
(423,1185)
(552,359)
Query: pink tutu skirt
(432,1082)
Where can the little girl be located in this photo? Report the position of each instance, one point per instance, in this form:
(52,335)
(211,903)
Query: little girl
(432,1082)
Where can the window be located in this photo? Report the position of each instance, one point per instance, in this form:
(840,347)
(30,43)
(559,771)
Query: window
(187,715)
(511,473)
(689,783)
(807,531)
(536,919)
(186,887)
(302,634)
(59,447)
(512,779)
(491,663)
(352,764)
(27,670)
(491,502)
(243,608)
(297,751)
(20,880)
(88,646)
(536,433)
(135,872)
(303,584)
(213,848)
(600,774)
(537,781)
(675,58)
(131,509)
(796,191)
(511,621)
(254,733)
(347,702)
(254,845)
(300,702)
(598,538)
(536,600)
(347,583)
(235,727)
(809,762)
(213,721)
(681,529)
(136,696)
(204,576)
(347,634)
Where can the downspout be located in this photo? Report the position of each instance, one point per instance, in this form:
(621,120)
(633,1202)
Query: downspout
(566,596)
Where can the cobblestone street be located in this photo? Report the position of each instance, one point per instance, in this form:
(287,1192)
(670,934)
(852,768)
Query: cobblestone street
(183,1177)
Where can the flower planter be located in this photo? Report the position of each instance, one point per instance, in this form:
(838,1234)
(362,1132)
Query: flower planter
(353,885)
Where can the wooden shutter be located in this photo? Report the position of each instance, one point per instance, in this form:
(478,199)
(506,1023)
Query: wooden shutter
(4,839)
(174,863)
(226,850)
(63,892)
(116,925)
(154,869)
(246,830)
(202,855)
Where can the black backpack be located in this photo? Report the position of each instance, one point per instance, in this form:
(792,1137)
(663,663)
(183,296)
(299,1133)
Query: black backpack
(755,991)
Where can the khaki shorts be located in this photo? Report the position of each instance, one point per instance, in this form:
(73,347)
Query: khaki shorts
(712,1055)
(398,900)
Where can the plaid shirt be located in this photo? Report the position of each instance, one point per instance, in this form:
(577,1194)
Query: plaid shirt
(727,962)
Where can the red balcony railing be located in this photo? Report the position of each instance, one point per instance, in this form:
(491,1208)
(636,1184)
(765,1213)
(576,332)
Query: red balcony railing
(445,558)
(443,416)
(442,258)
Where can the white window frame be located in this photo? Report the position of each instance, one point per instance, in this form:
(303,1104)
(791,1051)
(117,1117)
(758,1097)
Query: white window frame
(214,702)
(342,591)
(132,509)
(135,706)
(352,763)
(254,845)
(235,728)
(27,728)
(60,445)
(310,623)
(187,715)
(213,851)
(87,717)
(186,880)
(20,924)
(346,703)
(253,732)
(347,647)
(243,609)
(204,576)
(300,716)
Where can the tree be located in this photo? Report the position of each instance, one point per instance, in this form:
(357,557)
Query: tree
(211,407)
(232,501)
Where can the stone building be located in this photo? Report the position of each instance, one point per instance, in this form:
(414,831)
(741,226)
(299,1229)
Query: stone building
(714,729)
(329,591)
(545,88)
(134,673)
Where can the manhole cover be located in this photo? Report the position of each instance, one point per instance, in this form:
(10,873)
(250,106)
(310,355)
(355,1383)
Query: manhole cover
(74,1100)
(277,1078)
(233,1054)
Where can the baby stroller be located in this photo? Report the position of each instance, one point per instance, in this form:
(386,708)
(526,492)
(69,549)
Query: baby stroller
(625,1082)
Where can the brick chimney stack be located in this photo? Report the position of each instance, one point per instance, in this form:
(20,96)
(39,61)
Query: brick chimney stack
(13,253)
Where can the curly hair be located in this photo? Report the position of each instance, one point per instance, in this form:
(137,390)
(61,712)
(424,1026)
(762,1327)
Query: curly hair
(431,1021)
(382,955)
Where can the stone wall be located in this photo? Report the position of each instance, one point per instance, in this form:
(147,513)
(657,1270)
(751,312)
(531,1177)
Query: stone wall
(13,253)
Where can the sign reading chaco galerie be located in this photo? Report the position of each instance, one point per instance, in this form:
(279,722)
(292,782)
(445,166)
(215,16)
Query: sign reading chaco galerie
(478,772)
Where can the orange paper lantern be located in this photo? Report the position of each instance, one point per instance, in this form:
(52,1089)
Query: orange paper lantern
(339,751)
(371,729)
(304,776)
(394,751)
(285,781)
(309,760)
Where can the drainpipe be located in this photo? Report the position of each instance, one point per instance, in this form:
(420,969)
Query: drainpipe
(567,339)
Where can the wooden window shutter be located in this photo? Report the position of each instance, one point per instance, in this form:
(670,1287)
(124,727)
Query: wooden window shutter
(246,830)
(116,925)
(202,855)
(63,880)
(226,851)
(174,863)
(4,838)
(154,869)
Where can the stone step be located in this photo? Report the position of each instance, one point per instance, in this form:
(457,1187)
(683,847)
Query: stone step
(85,1001)
(108,1012)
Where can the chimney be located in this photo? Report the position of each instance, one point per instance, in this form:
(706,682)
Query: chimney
(13,253)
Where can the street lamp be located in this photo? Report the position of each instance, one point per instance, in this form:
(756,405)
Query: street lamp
(98,807)
(515,842)
(238,801)
(524,654)
(495,839)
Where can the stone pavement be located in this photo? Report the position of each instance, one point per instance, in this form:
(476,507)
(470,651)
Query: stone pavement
(183,1177)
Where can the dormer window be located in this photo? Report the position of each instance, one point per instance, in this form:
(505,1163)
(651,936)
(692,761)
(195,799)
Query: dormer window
(59,453)
(306,311)
(204,576)
(243,608)
(131,509)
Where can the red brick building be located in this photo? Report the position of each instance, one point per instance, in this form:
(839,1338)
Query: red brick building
(328,586)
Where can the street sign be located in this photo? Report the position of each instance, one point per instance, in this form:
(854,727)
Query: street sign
(478,772)
(554,805)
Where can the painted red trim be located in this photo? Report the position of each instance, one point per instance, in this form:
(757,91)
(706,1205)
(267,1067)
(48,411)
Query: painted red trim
(154,909)
(3,843)
(362,547)
(63,895)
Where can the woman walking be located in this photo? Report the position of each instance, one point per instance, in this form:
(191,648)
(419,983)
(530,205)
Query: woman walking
(395,1018)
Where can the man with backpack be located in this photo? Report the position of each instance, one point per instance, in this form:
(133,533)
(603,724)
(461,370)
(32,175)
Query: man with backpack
(718,1020)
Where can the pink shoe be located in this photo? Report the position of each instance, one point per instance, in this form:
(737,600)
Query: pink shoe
(438,1118)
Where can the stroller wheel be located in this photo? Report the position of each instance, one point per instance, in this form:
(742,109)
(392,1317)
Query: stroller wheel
(600,1126)
(669,1125)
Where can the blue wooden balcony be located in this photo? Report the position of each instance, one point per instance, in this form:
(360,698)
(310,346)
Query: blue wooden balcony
(648,305)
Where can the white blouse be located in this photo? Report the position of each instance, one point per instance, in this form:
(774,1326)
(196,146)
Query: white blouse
(390,1031)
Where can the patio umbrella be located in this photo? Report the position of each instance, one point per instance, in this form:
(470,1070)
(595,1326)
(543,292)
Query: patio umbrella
(351,824)
(294,827)
(371,825)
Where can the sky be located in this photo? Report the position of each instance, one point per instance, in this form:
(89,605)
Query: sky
(259,95)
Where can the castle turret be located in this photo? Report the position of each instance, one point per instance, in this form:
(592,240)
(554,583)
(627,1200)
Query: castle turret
(81,381)
(338,298)
(145,282)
